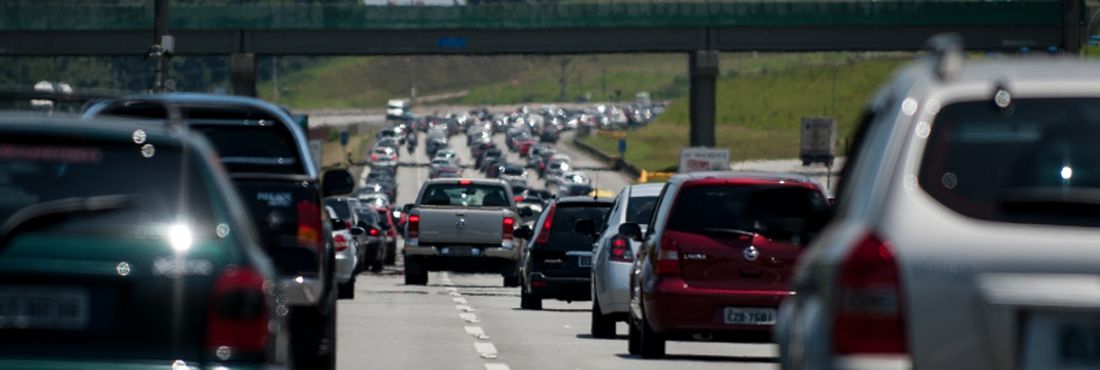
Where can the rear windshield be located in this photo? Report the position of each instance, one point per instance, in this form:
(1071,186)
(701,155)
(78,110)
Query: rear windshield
(567,215)
(513,171)
(254,148)
(367,215)
(465,195)
(138,191)
(779,212)
(639,209)
(1037,162)
(383,218)
(341,207)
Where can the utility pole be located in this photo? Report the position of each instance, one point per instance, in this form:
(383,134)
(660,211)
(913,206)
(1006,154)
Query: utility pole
(163,46)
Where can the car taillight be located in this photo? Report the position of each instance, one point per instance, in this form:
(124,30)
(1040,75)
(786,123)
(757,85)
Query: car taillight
(374,157)
(237,314)
(869,318)
(508,227)
(544,232)
(668,257)
(413,229)
(620,250)
(340,242)
(518,198)
(309,225)
(348,224)
(373,232)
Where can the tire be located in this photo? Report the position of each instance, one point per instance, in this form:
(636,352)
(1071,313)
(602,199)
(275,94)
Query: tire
(415,273)
(650,344)
(603,326)
(376,266)
(510,276)
(391,254)
(529,301)
(313,336)
(346,290)
(633,339)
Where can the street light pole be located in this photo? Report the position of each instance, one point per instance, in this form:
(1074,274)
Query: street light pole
(163,45)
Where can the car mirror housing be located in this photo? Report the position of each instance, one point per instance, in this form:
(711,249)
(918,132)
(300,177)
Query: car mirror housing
(523,232)
(630,230)
(358,231)
(337,182)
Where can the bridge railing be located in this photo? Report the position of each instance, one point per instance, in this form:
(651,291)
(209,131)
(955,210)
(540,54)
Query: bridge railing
(33,15)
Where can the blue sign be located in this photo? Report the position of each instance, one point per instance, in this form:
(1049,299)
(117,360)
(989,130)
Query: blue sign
(451,42)
(344,138)
(622,146)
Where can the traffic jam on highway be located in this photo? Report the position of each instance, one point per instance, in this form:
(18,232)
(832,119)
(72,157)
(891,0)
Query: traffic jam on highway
(196,231)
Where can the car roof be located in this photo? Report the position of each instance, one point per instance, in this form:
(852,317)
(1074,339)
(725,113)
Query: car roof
(646,190)
(99,128)
(583,199)
(455,180)
(741,175)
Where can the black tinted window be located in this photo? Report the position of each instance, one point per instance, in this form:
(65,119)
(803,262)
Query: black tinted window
(566,216)
(640,209)
(778,212)
(465,195)
(254,148)
(1037,163)
(341,207)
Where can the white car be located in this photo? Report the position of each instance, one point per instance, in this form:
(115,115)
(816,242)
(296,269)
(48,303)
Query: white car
(967,228)
(613,256)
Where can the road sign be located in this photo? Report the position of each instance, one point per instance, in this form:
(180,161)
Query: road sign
(697,159)
(344,138)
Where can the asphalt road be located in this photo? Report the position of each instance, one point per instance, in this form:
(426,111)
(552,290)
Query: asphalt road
(468,321)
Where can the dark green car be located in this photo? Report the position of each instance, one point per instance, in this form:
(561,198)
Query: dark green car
(124,246)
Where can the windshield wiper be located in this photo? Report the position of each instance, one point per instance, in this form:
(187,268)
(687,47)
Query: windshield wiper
(30,216)
(719,230)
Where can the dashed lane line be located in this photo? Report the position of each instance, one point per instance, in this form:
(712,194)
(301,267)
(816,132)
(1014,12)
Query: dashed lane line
(497,367)
(460,300)
(469,317)
(477,332)
(485,350)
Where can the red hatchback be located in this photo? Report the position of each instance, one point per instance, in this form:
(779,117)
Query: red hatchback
(715,263)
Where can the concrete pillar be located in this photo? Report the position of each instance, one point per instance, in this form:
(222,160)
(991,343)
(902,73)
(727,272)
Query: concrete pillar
(1071,26)
(703,69)
(243,72)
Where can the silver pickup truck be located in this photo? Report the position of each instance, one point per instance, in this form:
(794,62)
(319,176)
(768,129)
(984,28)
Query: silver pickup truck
(463,225)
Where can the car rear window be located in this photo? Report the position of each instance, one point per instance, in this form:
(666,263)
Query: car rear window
(383,217)
(254,148)
(341,207)
(640,209)
(790,213)
(566,216)
(470,195)
(149,188)
(1035,162)
(367,215)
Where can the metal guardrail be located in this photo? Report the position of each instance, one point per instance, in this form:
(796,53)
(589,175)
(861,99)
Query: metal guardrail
(33,15)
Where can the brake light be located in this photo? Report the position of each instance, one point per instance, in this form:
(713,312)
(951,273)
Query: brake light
(518,198)
(544,232)
(340,242)
(348,223)
(668,257)
(309,225)
(413,230)
(620,250)
(870,317)
(465,182)
(374,157)
(237,314)
(509,226)
(373,232)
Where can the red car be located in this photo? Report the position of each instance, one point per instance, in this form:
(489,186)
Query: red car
(390,228)
(525,147)
(717,257)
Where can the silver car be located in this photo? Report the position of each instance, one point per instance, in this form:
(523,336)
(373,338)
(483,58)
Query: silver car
(966,232)
(613,256)
(347,254)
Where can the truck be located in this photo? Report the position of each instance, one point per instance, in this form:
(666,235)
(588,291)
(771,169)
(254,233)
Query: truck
(265,153)
(463,225)
(818,141)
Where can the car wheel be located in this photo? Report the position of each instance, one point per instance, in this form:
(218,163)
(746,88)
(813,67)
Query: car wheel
(529,301)
(633,338)
(391,254)
(415,273)
(346,290)
(314,338)
(376,265)
(650,343)
(603,326)
(510,275)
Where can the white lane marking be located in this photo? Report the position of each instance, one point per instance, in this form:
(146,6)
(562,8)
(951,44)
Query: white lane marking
(469,317)
(465,308)
(456,294)
(477,332)
(460,300)
(486,350)
(452,289)
(497,367)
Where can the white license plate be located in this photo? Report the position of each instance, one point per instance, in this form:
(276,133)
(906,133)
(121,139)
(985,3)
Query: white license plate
(43,308)
(584,261)
(749,316)
(460,251)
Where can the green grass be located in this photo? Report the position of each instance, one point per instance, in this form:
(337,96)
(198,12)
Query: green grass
(759,113)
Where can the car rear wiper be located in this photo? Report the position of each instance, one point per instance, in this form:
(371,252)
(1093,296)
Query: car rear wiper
(719,230)
(32,215)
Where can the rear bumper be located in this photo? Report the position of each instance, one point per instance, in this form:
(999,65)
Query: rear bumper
(345,265)
(481,259)
(166,364)
(868,362)
(613,288)
(673,306)
(560,288)
(301,290)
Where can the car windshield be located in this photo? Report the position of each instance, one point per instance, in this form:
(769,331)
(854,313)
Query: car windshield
(640,209)
(781,212)
(152,192)
(471,195)
(1039,164)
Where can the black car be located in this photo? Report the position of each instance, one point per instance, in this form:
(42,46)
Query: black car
(374,251)
(557,262)
(266,154)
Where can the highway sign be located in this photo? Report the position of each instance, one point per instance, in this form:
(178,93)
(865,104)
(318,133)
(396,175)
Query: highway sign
(696,159)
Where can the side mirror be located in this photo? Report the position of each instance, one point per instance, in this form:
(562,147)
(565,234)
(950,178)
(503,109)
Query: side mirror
(585,227)
(338,225)
(630,231)
(358,231)
(523,232)
(408,207)
(337,182)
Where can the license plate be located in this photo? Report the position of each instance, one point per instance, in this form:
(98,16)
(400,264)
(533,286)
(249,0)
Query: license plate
(43,308)
(749,316)
(460,251)
(584,261)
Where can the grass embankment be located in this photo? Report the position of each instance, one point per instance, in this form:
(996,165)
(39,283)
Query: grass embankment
(759,112)
(334,155)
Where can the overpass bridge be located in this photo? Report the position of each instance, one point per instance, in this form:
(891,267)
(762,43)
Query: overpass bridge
(699,28)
